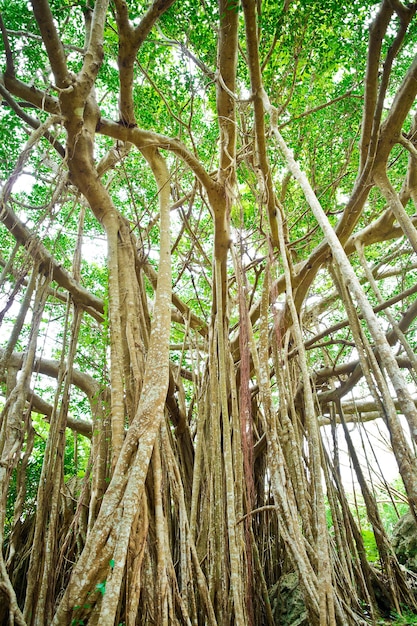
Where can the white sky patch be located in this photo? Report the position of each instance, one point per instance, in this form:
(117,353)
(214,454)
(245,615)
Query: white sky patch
(341,197)
(208,116)
(338,77)
(24,183)
(244,92)
(372,445)
(123,194)
(94,249)
(279,305)
(341,73)
(154,255)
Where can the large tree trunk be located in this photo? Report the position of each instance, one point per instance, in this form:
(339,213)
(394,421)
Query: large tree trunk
(204,364)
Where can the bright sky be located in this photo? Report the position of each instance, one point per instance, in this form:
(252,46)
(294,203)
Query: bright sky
(372,445)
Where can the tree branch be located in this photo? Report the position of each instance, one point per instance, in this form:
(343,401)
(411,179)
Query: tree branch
(52,41)
(130,40)
(47,263)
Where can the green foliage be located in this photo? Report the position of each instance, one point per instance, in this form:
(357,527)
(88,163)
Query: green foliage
(77,450)
(391,508)
(101,587)
(33,473)
(407,618)
(369,543)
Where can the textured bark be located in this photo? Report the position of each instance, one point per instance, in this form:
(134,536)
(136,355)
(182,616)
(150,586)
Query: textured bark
(210,476)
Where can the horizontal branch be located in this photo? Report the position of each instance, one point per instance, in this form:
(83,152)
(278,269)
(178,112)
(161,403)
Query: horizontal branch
(37,404)
(47,263)
(25,33)
(355,372)
(32,122)
(359,411)
(143,139)
(49,367)
(380,307)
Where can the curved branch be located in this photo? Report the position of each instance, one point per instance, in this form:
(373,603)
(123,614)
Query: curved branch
(37,404)
(52,41)
(143,139)
(32,122)
(376,35)
(47,263)
(49,367)
(404,323)
(37,97)
(391,127)
(130,40)
(353,368)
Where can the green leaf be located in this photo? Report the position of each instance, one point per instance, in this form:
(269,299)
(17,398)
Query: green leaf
(101,587)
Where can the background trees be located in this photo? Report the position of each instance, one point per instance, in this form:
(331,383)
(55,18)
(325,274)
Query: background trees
(208,254)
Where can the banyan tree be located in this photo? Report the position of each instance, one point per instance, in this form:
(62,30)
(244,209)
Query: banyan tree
(208,269)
